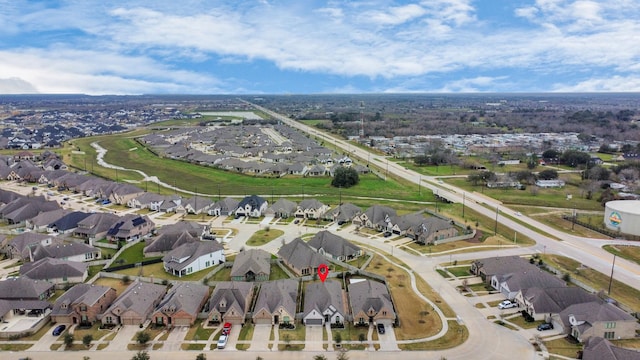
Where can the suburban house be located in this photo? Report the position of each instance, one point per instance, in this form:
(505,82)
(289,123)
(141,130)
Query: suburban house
(56,271)
(310,209)
(487,268)
(82,304)
(121,194)
(23,288)
(376,217)
(42,221)
(509,284)
(22,245)
(229,302)
(197,205)
(252,206)
(334,246)
(95,226)
(300,257)
(543,303)
(174,235)
(601,319)
(323,303)
(148,200)
(597,348)
(134,305)
(276,302)
(370,303)
(181,305)
(75,251)
(224,207)
(427,230)
(282,208)
(21,209)
(193,257)
(251,265)
(342,214)
(67,223)
(130,227)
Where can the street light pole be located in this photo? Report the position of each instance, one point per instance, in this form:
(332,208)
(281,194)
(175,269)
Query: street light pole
(463,196)
(495,226)
(611,278)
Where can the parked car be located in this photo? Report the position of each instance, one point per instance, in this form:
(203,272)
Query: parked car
(545,326)
(222,341)
(380,328)
(226,329)
(507,305)
(59,329)
(106,202)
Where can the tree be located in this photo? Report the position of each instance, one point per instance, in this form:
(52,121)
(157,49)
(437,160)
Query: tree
(345,177)
(548,174)
(362,337)
(338,338)
(342,355)
(201,356)
(319,357)
(142,337)
(87,339)
(574,158)
(126,279)
(551,154)
(532,161)
(68,340)
(141,355)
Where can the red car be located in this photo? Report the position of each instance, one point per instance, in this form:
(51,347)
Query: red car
(226,329)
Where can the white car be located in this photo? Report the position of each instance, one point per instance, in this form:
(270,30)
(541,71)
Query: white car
(222,341)
(506,305)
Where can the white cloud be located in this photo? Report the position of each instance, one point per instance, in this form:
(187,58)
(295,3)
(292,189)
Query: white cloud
(395,15)
(612,84)
(16,85)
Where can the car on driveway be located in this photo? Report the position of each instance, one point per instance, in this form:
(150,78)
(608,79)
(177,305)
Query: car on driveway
(545,326)
(506,305)
(380,328)
(222,341)
(58,330)
(226,329)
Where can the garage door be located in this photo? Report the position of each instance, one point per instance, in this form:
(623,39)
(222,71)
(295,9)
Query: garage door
(182,322)
(262,321)
(313,322)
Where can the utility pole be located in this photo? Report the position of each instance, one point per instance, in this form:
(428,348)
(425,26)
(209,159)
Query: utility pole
(611,278)
(463,196)
(495,227)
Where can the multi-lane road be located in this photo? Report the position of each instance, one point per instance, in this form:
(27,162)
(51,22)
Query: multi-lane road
(585,250)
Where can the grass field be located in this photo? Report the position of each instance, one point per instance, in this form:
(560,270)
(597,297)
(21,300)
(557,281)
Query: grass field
(262,237)
(407,303)
(563,347)
(631,253)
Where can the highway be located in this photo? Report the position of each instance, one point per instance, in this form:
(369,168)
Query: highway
(587,251)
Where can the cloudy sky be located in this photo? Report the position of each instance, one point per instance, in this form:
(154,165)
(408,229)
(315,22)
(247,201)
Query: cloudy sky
(308,46)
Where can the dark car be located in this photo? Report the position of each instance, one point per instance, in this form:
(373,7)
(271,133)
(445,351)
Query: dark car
(58,330)
(545,326)
(380,328)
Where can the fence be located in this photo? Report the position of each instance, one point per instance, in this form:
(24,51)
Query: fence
(601,229)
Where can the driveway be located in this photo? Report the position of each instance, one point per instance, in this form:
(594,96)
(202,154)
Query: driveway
(260,340)
(123,337)
(232,339)
(175,338)
(313,338)
(388,339)
(45,342)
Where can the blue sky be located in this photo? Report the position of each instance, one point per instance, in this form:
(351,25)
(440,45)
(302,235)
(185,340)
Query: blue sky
(306,46)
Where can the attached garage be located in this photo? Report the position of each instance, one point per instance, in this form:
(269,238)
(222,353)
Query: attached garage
(312,321)
(181,322)
(262,321)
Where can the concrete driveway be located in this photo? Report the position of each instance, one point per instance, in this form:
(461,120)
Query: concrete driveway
(175,338)
(313,338)
(45,342)
(260,340)
(123,337)
(232,339)
(388,339)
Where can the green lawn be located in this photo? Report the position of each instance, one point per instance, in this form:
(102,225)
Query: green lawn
(631,253)
(262,237)
(132,255)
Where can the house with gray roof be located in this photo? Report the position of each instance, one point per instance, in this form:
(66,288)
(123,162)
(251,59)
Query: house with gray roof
(148,200)
(597,348)
(276,302)
(130,227)
(224,207)
(370,303)
(543,303)
(376,217)
(251,265)
(300,257)
(82,304)
(174,235)
(75,251)
(196,205)
(282,208)
(323,303)
(56,271)
(42,221)
(181,305)
(426,230)
(193,257)
(252,206)
(24,288)
(509,284)
(310,209)
(343,213)
(23,244)
(488,267)
(334,246)
(24,208)
(95,226)
(67,223)
(229,302)
(597,318)
(135,305)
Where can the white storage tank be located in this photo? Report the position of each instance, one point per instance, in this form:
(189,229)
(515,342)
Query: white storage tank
(623,216)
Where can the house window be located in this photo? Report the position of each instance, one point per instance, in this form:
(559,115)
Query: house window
(189,270)
(361,320)
(207,264)
(610,325)
(88,256)
(609,334)
(384,313)
(83,307)
(109,320)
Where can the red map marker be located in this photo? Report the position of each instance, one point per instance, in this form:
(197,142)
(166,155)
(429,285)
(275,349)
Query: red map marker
(323,271)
